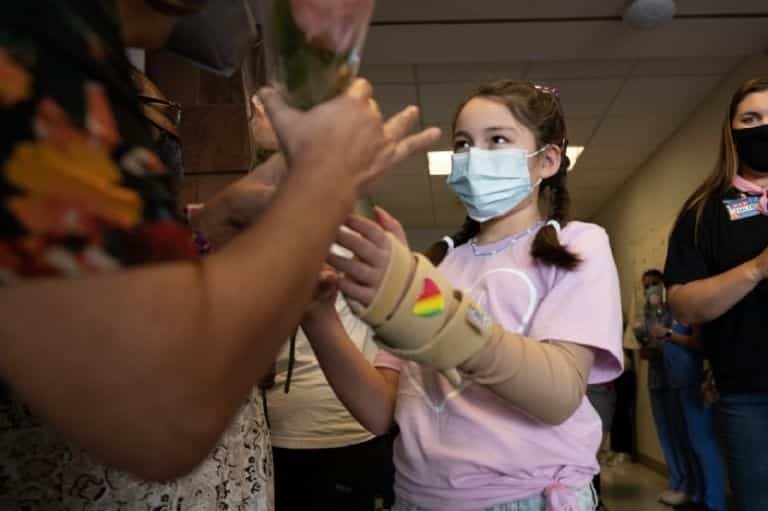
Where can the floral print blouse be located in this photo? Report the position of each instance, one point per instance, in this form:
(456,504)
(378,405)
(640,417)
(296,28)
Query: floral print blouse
(82,192)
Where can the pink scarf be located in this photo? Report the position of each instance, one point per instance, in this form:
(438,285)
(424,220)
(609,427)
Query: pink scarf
(750,188)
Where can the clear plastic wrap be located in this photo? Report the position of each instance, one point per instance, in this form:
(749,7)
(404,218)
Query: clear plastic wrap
(313,47)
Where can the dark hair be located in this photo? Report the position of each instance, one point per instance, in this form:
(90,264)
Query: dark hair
(539,109)
(437,252)
(653,273)
(719,180)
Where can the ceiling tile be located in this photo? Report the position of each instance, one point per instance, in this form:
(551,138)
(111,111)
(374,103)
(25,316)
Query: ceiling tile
(757,65)
(580,130)
(408,10)
(394,97)
(681,94)
(608,157)
(469,72)
(398,10)
(582,99)
(587,98)
(383,73)
(578,69)
(685,66)
(720,7)
(440,100)
(640,131)
(500,41)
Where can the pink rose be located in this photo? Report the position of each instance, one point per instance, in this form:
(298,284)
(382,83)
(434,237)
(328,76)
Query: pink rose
(332,25)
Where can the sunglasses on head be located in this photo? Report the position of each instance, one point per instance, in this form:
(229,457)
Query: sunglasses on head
(168,108)
(548,90)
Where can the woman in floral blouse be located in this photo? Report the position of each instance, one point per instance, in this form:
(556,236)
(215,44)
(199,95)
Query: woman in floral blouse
(117,344)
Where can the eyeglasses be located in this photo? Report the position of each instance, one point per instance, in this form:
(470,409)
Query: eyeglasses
(168,108)
(548,90)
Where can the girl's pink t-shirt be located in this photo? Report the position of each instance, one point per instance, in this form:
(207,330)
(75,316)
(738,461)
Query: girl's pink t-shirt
(466,448)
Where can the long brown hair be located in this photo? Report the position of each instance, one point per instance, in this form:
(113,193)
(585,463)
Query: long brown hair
(719,180)
(539,109)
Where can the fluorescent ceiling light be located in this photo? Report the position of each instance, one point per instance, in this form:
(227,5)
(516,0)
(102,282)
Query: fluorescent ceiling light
(573,152)
(440,162)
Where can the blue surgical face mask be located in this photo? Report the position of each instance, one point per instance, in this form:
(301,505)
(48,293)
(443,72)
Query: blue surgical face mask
(491,183)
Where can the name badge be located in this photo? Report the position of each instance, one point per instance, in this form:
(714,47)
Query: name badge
(745,207)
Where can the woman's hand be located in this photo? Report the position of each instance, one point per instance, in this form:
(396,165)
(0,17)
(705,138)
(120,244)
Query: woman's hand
(236,207)
(367,240)
(659,332)
(345,138)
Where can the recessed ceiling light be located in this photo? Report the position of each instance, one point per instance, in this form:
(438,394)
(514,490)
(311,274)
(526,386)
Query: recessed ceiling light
(440,163)
(573,152)
(649,14)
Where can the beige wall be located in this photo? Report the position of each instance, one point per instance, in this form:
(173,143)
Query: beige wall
(640,215)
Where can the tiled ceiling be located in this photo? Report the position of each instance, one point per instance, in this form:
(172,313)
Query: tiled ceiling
(624,92)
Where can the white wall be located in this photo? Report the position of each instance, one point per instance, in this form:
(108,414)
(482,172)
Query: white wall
(640,215)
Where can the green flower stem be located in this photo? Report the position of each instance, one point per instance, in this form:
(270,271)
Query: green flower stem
(311,75)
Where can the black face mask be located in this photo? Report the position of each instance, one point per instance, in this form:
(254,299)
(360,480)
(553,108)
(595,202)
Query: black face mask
(752,147)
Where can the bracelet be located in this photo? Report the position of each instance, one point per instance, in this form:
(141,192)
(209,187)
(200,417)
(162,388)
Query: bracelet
(201,242)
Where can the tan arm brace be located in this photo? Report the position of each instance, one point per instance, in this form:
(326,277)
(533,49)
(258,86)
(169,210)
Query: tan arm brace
(546,380)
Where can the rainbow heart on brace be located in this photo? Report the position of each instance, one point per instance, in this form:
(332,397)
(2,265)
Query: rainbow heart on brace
(430,302)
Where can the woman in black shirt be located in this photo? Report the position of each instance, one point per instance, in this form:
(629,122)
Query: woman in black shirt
(716,270)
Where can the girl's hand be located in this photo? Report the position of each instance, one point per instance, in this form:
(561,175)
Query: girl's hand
(323,304)
(367,240)
(660,332)
(390,224)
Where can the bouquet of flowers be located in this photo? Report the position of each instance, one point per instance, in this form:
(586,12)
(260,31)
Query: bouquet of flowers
(313,47)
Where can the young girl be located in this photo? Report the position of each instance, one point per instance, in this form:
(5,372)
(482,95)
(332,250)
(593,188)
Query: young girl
(495,348)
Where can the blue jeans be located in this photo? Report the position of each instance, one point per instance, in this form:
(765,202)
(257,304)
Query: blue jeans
(743,426)
(586,498)
(670,426)
(685,376)
(702,439)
